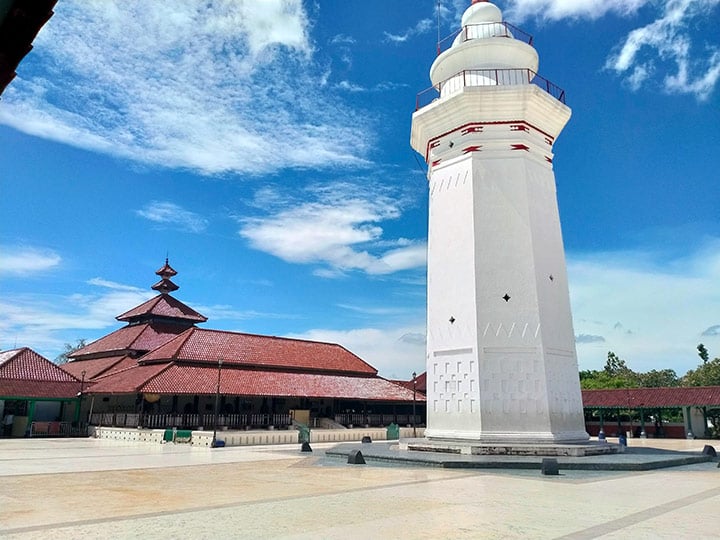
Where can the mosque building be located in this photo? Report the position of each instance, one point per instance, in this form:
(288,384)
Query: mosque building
(161,370)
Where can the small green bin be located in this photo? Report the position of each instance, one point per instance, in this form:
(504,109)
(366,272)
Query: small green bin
(393,432)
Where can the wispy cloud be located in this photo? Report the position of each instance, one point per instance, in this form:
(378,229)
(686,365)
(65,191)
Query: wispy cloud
(669,48)
(384,86)
(45,322)
(374,311)
(100,282)
(173,215)
(215,87)
(24,261)
(342,39)
(336,226)
(226,312)
(421,27)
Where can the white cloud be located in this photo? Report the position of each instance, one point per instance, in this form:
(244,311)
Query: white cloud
(669,40)
(554,10)
(394,352)
(215,87)
(669,47)
(650,309)
(23,261)
(339,228)
(100,282)
(46,322)
(173,215)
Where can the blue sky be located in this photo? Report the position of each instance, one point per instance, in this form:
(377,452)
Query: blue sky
(264,146)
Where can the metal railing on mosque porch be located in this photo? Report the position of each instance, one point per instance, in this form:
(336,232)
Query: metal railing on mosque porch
(191,421)
(376,420)
(57,429)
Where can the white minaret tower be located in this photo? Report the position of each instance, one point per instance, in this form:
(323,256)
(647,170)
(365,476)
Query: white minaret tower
(501,360)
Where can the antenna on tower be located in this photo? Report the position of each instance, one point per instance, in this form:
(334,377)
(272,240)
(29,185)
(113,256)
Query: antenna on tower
(438,26)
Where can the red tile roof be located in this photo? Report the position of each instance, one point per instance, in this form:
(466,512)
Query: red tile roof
(163,305)
(26,364)
(94,367)
(25,373)
(166,270)
(420,383)
(200,345)
(187,379)
(652,397)
(127,381)
(139,337)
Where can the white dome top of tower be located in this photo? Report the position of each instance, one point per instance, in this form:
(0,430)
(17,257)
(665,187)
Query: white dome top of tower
(480,12)
(485,43)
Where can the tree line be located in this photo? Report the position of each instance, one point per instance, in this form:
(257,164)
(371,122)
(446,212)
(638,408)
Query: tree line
(617,374)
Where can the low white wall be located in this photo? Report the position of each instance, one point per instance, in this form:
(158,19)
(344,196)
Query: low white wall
(250,438)
(127,434)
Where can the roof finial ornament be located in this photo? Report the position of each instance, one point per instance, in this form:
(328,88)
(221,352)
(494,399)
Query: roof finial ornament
(165,285)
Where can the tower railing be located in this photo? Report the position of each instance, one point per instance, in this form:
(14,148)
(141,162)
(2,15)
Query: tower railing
(484,31)
(487,77)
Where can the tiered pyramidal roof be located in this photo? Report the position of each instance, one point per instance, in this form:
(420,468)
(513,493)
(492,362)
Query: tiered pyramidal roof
(149,326)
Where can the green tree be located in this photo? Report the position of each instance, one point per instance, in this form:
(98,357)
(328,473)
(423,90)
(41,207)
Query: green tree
(706,374)
(615,374)
(616,368)
(68,349)
(659,378)
(703,353)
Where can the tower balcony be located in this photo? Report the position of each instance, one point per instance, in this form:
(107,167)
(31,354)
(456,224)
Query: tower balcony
(486,77)
(484,31)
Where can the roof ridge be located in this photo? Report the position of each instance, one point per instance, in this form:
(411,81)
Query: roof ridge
(183,341)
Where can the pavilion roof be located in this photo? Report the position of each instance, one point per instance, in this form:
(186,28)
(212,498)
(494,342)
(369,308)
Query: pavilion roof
(25,373)
(235,348)
(634,398)
(165,306)
(174,378)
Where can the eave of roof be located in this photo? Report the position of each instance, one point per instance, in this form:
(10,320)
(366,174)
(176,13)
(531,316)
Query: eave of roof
(184,379)
(17,389)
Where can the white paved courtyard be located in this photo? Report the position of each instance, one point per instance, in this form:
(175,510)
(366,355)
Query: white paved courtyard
(86,488)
